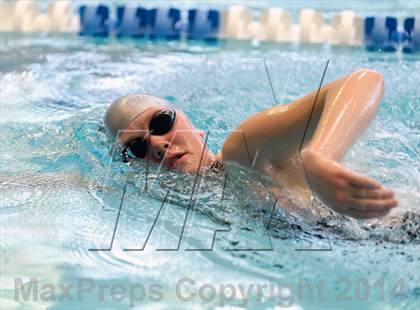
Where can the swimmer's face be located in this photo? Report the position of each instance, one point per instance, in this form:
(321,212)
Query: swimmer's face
(179,149)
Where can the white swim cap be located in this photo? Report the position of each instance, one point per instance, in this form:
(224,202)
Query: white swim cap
(126,108)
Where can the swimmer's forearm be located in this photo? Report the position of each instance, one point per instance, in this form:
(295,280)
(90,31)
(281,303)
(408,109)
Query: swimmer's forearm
(349,107)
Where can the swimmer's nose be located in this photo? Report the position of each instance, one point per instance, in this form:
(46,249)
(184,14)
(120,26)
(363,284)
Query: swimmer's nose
(159,147)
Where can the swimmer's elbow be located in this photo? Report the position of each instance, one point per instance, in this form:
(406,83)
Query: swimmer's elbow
(370,74)
(372,80)
(373,83)
(375,75)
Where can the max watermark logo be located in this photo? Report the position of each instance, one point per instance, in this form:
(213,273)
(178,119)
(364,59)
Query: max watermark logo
(197,180)
(250,154)
(187,290)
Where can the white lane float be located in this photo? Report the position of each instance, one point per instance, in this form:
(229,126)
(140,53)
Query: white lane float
(235,23)
(311,24)
(277,25)
(347,29)
(6,16)
(60,14)
(24,14)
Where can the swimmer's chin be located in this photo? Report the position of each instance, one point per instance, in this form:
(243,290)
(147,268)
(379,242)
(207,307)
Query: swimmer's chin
(183,164)
(187,164)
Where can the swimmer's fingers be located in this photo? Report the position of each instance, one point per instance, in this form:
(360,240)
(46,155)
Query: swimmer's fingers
(361,181)
(368,198)
(372,205)
(368,193)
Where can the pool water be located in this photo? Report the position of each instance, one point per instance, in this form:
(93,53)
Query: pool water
(61,191)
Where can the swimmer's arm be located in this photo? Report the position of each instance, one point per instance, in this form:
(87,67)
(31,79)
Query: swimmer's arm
(275,134)
(343,110)
(348,109)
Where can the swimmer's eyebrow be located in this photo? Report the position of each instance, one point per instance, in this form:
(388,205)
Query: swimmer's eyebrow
(137,131)
(141,126)
(130,138)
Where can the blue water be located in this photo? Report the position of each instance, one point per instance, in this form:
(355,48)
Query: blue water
(61,192)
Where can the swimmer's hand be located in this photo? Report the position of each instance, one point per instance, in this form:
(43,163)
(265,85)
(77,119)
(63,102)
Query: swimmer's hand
(346,191)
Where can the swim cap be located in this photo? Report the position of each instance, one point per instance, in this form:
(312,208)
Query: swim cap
(126,108)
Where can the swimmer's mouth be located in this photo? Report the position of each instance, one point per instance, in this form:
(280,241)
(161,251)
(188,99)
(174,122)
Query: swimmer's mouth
(175,160)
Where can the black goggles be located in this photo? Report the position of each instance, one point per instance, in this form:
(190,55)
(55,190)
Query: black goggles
(159,125)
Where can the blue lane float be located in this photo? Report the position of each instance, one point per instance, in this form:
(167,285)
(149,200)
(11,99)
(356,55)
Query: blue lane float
(203,24)
(381,33)
(412,28)
(165,23)
(131,21)
(94,20)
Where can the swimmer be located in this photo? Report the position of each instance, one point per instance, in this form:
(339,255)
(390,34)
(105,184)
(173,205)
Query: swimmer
(270,142)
